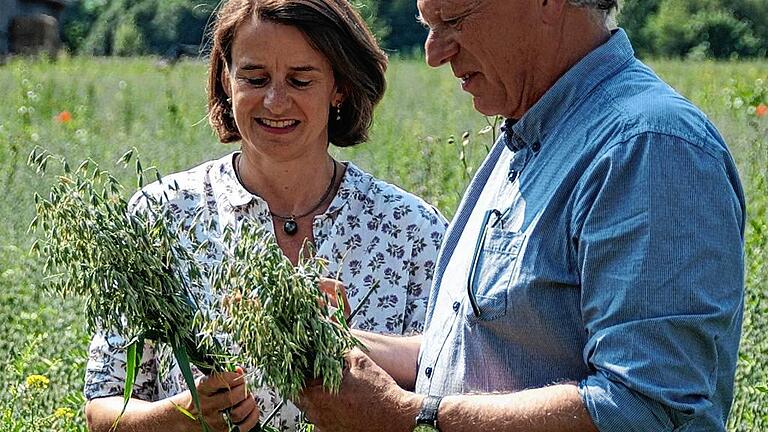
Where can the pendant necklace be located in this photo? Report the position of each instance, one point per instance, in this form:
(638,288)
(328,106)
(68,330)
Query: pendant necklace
(290,226)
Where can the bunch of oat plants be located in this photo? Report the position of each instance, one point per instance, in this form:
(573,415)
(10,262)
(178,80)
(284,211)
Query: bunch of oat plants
(136,277)
(276,315)
(130,268)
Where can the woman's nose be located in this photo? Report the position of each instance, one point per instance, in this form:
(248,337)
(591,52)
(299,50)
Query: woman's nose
(440,48)
(276,99)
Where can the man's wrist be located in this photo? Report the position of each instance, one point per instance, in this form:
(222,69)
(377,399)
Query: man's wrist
(410,405)
(427,420)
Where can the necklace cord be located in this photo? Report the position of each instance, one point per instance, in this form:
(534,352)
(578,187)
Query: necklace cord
(293,217)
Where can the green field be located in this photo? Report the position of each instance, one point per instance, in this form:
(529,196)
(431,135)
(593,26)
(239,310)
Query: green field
(426,138)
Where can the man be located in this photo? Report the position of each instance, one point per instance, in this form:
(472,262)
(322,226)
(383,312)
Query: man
(592,278)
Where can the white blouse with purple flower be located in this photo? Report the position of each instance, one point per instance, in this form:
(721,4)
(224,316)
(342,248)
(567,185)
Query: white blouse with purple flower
(372,232)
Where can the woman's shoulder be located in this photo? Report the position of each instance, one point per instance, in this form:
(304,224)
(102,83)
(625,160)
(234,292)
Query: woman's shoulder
(404,207)
(181,189)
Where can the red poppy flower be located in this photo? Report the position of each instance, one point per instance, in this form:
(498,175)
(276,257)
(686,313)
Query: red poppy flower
(761,110)
(63,117)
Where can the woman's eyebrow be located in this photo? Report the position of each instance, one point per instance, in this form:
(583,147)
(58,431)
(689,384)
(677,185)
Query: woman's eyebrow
(300,68)
(250,66)
(304,68)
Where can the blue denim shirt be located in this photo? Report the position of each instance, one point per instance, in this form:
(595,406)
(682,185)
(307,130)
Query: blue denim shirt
(612,258)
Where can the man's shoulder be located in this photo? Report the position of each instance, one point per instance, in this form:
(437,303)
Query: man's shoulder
(640,102)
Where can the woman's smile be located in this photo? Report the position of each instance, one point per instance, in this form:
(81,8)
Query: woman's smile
(277,126)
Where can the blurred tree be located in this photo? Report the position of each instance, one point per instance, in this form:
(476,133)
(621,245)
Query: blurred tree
(671,28)
(633,18)
(370,10)
(720,35)
(78,19)
(163,26)
(756,12)
(128,39)
(700,28)
(697,28)
(407,35)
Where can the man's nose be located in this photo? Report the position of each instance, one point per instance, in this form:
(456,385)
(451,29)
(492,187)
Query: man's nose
(439,48)
(277,100)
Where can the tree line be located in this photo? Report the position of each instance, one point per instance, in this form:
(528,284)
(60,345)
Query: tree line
(718,29)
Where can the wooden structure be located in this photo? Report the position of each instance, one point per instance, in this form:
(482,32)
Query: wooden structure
(30,26)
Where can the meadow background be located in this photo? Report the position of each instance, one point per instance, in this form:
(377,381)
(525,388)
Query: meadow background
(426,138)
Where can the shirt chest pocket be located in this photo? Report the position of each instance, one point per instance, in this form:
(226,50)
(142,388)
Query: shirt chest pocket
(491,272)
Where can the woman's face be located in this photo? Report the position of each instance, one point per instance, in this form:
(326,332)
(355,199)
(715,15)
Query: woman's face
(282,90)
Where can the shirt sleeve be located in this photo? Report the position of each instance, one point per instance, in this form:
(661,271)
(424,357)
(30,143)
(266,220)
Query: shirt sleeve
(658,232)
(106,369)
(425,245)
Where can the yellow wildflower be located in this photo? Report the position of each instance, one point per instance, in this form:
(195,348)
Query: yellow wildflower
(37,382)
(64,413)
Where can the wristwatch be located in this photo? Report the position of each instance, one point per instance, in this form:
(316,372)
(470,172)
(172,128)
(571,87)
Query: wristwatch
(426,421)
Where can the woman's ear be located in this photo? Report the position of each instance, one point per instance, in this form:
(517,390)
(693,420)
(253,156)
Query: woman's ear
(225,79)
(338,98)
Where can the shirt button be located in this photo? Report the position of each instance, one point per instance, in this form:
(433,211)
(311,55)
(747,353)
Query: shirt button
(536,147)
(456,306)
(512,175)
(428,372)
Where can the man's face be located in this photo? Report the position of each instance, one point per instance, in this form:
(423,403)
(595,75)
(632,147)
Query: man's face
(492,46)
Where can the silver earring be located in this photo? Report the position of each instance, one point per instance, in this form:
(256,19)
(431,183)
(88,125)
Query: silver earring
(338,112)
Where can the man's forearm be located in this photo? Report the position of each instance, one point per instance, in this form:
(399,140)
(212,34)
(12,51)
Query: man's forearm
(397,355)
(557,408)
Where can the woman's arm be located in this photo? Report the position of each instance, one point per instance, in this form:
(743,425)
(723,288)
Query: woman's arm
(397,355)
(226,391)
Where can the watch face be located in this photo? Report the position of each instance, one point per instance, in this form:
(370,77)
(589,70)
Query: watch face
(425,428)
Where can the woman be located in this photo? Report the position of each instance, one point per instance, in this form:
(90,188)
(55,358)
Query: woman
(286,78)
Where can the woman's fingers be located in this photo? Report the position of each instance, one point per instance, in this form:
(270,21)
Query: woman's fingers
(219,381)
(250,421)
(333,289)
(227,399)
(241,412)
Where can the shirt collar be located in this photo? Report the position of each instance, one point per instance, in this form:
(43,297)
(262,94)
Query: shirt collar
(578,82)
(355,183)
(225,183)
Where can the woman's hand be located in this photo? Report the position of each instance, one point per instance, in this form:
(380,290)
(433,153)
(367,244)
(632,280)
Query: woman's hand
(330,287)
(221,393)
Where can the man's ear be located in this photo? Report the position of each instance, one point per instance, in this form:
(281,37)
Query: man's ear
(552,11)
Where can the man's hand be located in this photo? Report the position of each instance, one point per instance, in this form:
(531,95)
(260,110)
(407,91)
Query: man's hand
(369,400)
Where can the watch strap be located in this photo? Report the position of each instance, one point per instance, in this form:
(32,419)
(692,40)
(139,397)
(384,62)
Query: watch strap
(428,413)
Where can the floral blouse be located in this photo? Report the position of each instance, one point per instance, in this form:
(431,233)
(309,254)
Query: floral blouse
(372,232)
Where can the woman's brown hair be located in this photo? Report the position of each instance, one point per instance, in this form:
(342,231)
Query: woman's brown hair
(333,28)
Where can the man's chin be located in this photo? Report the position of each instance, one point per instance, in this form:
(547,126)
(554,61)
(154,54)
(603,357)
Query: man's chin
(484,108)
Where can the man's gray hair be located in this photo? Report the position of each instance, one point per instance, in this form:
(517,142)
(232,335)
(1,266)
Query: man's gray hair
(605,10)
